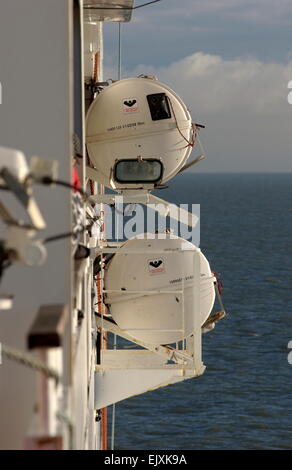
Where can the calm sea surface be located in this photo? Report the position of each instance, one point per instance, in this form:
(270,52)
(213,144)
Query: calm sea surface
(244,399)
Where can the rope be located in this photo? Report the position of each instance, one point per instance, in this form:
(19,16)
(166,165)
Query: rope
(191,142)
(219,297)
(61,236)
(201,145)
(64,419)
(47,180)
(218,289)
(29,361)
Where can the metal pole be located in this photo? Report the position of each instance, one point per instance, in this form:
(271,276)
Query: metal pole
(197,310)
(120,52)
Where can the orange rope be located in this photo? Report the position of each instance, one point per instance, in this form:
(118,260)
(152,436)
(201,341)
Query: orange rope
(95,67)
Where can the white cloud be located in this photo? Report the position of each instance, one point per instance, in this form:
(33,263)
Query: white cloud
(213,85)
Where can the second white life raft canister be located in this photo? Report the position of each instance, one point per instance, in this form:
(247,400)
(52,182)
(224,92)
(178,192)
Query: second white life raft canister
(155,265)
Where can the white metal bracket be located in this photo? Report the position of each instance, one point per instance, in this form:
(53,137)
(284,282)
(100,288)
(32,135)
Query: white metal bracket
(164,208)
(167,352)
(115,385)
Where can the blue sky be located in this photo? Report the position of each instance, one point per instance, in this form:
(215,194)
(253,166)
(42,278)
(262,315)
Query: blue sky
(230,28)
(231,61)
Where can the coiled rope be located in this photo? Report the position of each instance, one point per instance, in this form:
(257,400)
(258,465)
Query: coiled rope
(28,360)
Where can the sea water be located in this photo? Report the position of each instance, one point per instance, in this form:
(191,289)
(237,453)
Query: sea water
(244,398)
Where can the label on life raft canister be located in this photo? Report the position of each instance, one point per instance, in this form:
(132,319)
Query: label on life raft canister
(130,105)
(156,266)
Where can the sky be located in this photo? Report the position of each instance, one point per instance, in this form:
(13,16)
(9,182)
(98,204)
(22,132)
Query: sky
(230,61)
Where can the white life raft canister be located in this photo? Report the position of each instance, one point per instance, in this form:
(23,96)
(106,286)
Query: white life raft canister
(138,133)
(157,318)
